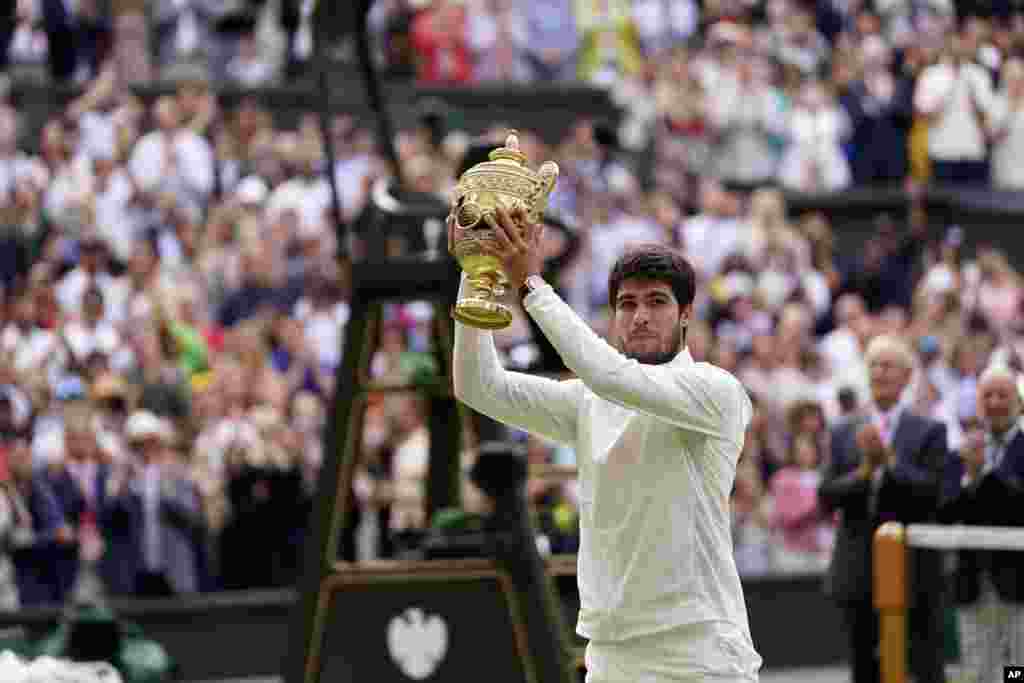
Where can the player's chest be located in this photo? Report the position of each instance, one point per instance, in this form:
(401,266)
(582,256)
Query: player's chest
(612,436)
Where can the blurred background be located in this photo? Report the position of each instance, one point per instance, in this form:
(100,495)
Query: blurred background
(175,247)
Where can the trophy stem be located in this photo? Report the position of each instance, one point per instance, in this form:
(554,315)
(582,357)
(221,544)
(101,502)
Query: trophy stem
(489,284)
(481,308)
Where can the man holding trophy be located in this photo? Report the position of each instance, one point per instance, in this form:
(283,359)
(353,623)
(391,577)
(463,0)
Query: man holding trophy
(657,436)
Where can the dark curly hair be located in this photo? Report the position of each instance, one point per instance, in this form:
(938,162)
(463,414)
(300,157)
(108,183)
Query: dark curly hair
(654,262)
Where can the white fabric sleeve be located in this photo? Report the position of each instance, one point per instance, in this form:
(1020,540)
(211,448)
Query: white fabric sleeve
(538,405)
(694,397)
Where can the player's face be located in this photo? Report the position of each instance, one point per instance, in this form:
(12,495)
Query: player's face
(647,325)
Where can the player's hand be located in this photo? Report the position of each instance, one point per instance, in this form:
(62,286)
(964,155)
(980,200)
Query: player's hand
(519,244)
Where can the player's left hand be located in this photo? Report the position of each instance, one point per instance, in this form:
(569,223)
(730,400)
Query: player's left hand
(519,244)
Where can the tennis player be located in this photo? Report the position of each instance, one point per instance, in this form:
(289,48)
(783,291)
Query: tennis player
(657,437)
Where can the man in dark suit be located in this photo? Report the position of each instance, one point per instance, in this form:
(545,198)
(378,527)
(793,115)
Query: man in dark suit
(39,542)
(152,515)
(880,105)
(989,491)
(79,484)
(886,466)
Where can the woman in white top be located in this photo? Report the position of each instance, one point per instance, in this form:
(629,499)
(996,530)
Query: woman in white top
(814,160)
(1006,127)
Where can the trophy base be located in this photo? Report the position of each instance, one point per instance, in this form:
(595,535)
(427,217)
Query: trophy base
(483,314)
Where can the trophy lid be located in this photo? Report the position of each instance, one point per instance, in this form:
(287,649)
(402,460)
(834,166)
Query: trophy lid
(510,152)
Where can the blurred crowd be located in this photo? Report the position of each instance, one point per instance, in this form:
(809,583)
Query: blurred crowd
(815,96)
(174,306)
(246,42)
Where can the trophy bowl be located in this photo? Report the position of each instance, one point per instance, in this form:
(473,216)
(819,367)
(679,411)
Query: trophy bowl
(504,181)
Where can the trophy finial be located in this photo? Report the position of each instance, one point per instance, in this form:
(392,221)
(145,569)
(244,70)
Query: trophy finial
(511,151)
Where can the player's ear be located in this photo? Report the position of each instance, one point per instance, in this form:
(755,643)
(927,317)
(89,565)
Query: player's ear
(685,315)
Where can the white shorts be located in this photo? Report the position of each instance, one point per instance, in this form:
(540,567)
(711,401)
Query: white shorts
(714,651)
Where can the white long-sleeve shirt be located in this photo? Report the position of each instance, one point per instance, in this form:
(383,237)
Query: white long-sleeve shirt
(656,446)
(946,91)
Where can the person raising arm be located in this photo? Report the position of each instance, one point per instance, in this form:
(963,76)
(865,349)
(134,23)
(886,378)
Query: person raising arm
(657,438)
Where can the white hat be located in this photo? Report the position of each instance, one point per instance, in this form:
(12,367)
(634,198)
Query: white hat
(144,425)
(251,190)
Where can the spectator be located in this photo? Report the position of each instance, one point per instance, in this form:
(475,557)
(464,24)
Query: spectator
(999,289)
(880,107)
(42,533)
(306,192)
(955,95)
(805,531)
(1006,128)
(714,233)
(497,34)
(13,529)
(79,482)
(172,158)
(390,22)
(814,161)
(249,68)
(985,488)
(93,333)
(409,467)
(185,30)
(109,394)
(751,510)
(884,467)
(682,128)
(609,43)
(552,40)
(664,25)
(769,229)
(888,265)
(153,514)
(249,543)
(439,37)
(131,51)
(73,38)
(747,119)
(799,43)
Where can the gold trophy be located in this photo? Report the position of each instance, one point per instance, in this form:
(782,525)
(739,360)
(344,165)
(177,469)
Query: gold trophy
(504,181)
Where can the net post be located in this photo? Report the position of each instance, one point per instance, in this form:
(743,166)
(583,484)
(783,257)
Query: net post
(890,597)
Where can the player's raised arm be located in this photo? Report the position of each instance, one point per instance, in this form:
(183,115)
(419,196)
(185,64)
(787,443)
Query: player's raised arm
(538,405)
(648,368)
(696,397)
